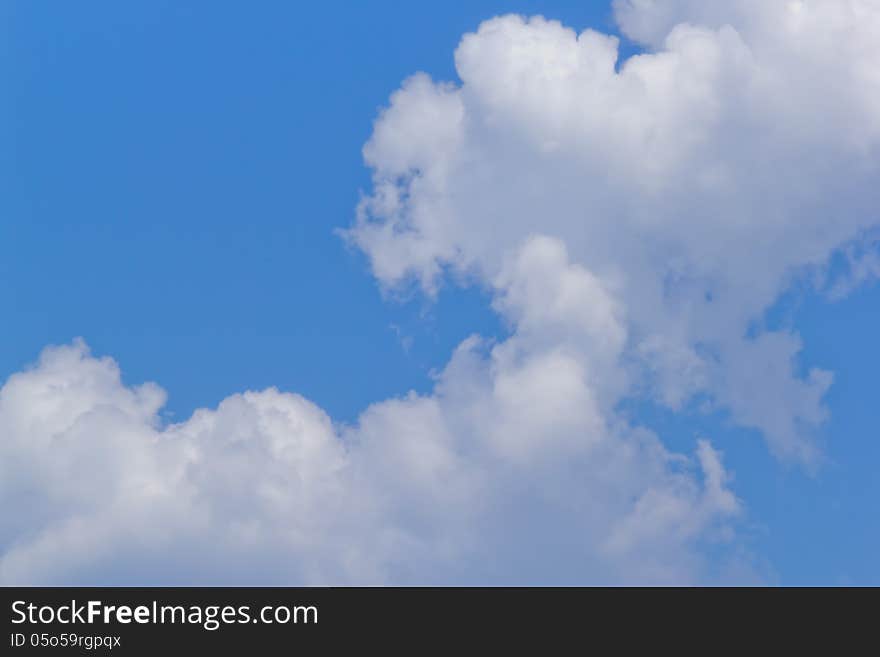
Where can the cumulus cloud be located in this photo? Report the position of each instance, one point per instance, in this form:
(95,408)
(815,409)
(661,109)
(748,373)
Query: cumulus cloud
(632,222)
(508,472)
(695,181)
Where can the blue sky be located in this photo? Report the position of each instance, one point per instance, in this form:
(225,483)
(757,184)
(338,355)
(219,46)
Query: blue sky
(207,154)
(174,176)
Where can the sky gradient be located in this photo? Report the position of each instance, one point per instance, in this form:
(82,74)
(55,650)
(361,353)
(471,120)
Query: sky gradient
(186,187)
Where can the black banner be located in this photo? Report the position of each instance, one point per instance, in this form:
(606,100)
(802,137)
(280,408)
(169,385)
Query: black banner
(122,621)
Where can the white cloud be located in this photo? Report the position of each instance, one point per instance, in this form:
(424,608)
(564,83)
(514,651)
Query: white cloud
(632,224)
(861,260)
(694,182)
(513,470)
